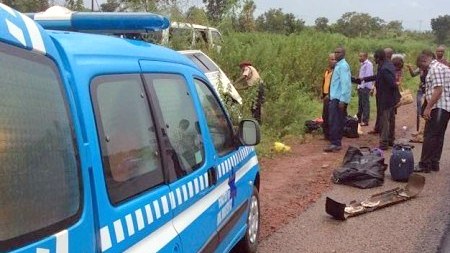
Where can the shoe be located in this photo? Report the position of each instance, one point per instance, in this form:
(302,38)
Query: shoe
(373,132)
(332,148)
(364,124)
(419,169)
(415,134)
(391,144)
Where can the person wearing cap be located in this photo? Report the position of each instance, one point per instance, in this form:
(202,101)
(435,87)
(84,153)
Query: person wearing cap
(251,80)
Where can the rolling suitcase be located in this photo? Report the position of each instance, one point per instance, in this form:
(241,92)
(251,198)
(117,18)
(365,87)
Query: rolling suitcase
(401,164)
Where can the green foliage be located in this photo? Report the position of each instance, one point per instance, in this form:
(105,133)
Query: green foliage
(321,24)
(27,5)
(441,28)
(196,15)
(75,5)
(276,21)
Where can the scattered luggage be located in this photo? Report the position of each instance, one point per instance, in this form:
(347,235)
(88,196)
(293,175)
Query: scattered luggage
(362,170)
(313,125)
(401,164)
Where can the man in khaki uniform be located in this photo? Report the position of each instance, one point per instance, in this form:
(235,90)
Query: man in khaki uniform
(251,80)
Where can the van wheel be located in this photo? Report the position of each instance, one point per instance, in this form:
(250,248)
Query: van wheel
(249,243)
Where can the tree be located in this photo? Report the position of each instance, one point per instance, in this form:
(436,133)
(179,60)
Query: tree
(321,24)
(246,21)
(75,5)
(393,28)
(275,21)
(196,15)
(441,28)
(217,9)
(27,5)
(110,6)
(354,24)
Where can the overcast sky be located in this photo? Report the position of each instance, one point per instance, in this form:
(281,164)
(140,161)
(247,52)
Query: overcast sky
(415,14)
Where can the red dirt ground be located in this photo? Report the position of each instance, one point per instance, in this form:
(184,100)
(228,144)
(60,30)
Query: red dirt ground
(293,181)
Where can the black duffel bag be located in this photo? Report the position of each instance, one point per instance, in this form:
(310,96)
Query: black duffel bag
(360,170)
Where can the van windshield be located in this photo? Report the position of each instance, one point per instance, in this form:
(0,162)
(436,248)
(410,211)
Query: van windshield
(39,177)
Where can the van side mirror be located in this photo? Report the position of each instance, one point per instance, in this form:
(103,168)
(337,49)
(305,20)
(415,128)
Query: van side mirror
(249,132)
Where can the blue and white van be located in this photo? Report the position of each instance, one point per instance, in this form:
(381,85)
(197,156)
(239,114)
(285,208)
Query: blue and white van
(115,145)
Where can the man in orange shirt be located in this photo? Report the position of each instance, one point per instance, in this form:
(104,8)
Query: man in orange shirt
(326,93)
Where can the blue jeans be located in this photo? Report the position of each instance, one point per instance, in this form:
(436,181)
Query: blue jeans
(336,121)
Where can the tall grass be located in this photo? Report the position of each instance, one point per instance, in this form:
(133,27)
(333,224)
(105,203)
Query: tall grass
(292,68)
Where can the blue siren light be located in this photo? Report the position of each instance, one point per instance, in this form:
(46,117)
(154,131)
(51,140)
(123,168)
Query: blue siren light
(60,18)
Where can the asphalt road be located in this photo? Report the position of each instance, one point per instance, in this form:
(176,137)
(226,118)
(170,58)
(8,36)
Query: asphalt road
(417,225)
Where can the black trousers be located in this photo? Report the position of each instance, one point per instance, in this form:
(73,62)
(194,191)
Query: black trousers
(337,121)
(387,127)
(433,139)
(325,115)
(363,105)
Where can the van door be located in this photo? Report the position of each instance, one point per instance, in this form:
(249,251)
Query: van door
(44,195)
(192,164)
(133,201)
(233,164)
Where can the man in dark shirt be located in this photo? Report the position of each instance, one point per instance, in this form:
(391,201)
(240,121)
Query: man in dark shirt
(387,98)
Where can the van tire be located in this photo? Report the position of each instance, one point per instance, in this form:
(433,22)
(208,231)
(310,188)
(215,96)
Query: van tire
(249,244)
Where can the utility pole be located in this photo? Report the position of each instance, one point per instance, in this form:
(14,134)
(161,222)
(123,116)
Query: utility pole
(92,5)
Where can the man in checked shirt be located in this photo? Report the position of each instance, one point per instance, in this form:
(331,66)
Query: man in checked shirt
(436,113)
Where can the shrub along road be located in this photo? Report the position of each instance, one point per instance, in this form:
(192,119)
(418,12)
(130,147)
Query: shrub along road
(295,186)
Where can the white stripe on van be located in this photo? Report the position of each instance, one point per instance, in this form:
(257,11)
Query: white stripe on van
(173,203)
(105,238)
(196,185)
(180,200)
(165,204)
(139,219)
(8,9)
(35,35)
(191,190)
(41,250)
(130,226)
(161,237)
(185,193)
(118,229)
(62,242)
(148,211)
(157,210)
(16,32)
(202,183)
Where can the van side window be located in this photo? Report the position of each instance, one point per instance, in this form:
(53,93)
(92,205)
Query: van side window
(127,135)
(218,124)
(180,118)
(39,173)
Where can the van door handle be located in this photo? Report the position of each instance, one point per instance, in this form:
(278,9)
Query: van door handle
(212,176)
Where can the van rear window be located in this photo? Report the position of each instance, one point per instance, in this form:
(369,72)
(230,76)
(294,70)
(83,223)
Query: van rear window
(39,177)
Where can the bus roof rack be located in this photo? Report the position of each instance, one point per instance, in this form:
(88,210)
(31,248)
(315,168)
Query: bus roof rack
(61,18)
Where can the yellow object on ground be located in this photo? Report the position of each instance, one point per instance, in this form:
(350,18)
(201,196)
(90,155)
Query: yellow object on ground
(280,147)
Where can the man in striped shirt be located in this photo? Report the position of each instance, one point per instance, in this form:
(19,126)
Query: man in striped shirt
(436,113)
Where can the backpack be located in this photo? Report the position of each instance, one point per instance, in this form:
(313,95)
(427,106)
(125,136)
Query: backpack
(351,127)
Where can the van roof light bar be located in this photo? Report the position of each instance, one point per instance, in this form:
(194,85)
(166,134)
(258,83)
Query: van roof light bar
(60,18)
